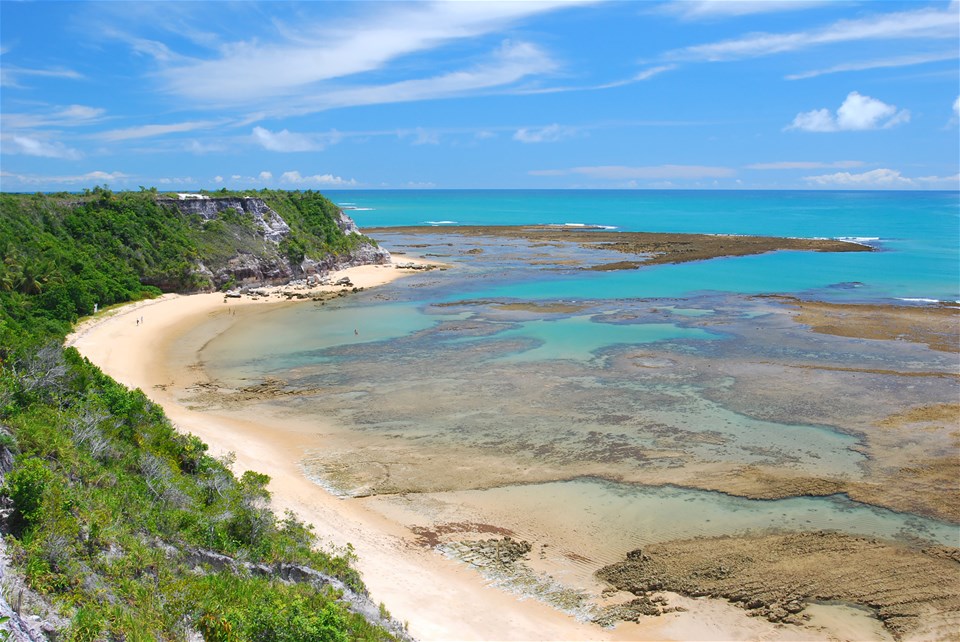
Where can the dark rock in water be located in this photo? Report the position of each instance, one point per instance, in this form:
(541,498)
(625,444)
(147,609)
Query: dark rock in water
(846,285)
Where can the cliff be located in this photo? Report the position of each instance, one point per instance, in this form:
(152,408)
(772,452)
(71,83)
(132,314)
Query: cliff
(248,243)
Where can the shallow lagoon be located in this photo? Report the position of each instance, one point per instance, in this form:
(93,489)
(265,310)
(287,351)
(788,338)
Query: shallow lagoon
(599,411)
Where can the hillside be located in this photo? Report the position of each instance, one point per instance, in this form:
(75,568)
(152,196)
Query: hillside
(116,526)
(64,254)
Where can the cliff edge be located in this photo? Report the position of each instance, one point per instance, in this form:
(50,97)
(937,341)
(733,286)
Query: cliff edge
(246,242)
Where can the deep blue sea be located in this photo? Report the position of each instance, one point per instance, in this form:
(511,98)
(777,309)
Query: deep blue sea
(917,235)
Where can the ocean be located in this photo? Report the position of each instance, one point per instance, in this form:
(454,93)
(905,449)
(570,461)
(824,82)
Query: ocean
(917,235)
(598,412)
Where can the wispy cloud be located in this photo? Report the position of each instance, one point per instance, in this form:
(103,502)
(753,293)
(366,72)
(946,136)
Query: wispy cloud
(927,24)
(512,62)
(295,62)
(900,61)
(320,180)
(882,178)
(71,116)
(549,134)
(420,136)
(856,113)
(10,74)
(176,180)
(149,131)
(287,141)
(89,177)
(781,165)
(621,172)
(711,9)
(29,146)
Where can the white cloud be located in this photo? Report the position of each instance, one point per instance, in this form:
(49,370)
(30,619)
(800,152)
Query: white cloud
(620,172)
(701,9)
(9,74)
(81,112)
(952,181)
(218,179)
(857,112)
(873,178)
(956,108)
(511,62)
(846,164)
(420,136)
(196,147)
(90,177)
(149,131)
(646,74)
(72,116)
(549,134)
(818,120)
(286,141)
(327,180)
(322,51)
(901,61)
(177,180)
(29,146)
(926,24)
(265,176)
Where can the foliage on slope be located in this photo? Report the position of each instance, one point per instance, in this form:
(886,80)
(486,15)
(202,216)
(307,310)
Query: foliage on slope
(127,527)
(62,253)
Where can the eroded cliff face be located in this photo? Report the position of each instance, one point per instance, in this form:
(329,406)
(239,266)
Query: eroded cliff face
(259,260)
(273,227)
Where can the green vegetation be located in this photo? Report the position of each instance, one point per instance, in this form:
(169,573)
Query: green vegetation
(60,254)
(126,527)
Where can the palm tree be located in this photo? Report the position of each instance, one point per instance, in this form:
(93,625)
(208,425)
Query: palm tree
(9,272)
(30,282)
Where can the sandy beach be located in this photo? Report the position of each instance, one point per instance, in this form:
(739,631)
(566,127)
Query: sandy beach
(441,599)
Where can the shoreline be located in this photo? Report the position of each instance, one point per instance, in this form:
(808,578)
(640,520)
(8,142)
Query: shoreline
(418,586)
(442,598)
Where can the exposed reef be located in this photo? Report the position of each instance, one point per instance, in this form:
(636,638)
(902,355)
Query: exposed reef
(913,591)
(654,248)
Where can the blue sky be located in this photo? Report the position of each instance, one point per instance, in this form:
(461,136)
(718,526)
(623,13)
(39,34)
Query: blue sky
(368,95)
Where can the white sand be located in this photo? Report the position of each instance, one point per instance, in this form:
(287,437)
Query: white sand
(440,599)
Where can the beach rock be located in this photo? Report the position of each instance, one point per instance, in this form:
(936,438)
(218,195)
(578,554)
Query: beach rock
(774,576)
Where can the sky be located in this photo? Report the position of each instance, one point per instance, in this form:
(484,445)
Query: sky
(685,94)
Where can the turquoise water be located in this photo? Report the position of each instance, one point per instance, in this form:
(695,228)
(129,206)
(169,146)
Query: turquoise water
(917,235)
(579,337)
(590,410)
